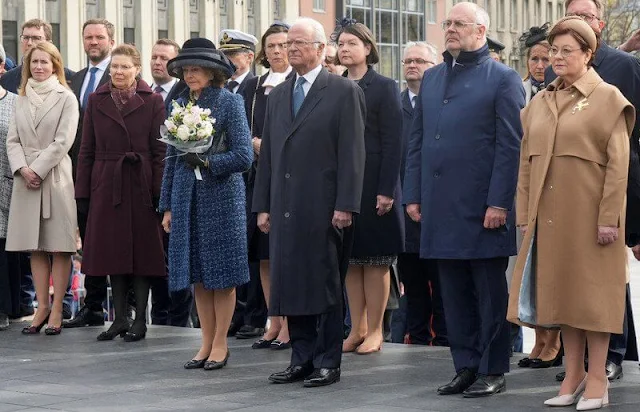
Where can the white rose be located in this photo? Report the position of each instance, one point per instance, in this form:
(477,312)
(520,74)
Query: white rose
(191,120)
(196,110)
(171,126)
(183,132)
(207,112)
(202,133)
(208,128)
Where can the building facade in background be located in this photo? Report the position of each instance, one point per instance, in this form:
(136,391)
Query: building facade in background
(393,22)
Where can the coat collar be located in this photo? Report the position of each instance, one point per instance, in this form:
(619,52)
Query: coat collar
(406,102)
(366,80)
(585,85)
(603,51)
(52,99)
(108,107)
(468,58)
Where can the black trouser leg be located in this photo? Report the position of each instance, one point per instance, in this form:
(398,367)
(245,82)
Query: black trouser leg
(417,292)
(96,287)
(5,281)
(303,333)
(27,290)
(255,312)
(180,308)
(618,343)
(160,301)
(141,291)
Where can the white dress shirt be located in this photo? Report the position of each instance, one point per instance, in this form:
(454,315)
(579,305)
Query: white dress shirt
(166,88)
(310,78)
(411,96)
(102,68)
(239,79)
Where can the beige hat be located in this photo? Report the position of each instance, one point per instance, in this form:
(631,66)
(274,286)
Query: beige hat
(581,27)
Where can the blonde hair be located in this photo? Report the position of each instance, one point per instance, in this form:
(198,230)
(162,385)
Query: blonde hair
(56,60)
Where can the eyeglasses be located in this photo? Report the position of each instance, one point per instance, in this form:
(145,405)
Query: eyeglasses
(300,43)
(35,39)
(588,17)
(419,62)
(118,67)
(272,46)
(564,52)
(457,25)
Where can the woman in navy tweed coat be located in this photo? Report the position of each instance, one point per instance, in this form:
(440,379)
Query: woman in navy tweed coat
(206,218)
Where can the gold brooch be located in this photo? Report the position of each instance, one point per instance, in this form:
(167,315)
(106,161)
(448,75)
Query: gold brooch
(582,104)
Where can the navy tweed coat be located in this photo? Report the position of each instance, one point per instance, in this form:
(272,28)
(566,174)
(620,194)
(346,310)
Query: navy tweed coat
(208,241)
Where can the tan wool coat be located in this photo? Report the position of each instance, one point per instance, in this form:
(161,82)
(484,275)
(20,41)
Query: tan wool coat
(573,178)
(43,219)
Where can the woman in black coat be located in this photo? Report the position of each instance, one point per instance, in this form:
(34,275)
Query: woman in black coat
(379,229)
(273,56)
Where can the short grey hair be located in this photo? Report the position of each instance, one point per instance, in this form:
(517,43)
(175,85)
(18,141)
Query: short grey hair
(430,48)
(482,17)
(3,55)
(317,28)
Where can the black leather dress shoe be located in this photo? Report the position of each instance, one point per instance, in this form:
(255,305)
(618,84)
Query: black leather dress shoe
(195,364)
(322,377)
(291,374)
(560,376)
(85,317)
(486,385)
(614,371)
(459,383)
(248,332)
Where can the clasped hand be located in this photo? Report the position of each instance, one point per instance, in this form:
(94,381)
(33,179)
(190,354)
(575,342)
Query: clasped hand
(32,179)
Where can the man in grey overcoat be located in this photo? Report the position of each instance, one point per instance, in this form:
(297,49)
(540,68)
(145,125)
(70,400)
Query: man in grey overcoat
(308,187)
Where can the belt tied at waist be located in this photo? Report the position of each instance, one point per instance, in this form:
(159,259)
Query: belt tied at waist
(132,158)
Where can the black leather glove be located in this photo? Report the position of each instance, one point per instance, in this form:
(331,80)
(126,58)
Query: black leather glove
(82,206)
(194,160)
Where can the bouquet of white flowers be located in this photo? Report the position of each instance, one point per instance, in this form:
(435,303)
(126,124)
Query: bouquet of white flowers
(190,130)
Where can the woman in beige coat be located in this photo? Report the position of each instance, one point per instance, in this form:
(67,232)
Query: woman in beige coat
(42,217)
(570,205)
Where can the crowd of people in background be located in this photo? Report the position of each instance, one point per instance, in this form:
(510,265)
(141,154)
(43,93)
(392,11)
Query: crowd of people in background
(332,212)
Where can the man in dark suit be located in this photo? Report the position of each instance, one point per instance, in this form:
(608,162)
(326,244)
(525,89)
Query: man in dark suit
(98,40)
(623,71)
(250,316)
(308,186)
(425,314)
(34,31)
(466,216)
(167,308)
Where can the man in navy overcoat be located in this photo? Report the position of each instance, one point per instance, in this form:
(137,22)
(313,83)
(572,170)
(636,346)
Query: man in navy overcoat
(460,181)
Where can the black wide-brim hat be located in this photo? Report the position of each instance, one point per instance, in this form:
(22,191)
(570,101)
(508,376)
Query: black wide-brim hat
(200,52)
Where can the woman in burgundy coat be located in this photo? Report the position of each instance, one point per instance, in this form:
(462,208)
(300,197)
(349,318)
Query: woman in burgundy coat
(119,176)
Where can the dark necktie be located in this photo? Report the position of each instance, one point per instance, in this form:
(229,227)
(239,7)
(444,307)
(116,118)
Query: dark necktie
(232,85)
(90,86)
(158,89)
(298,95)
(413,101)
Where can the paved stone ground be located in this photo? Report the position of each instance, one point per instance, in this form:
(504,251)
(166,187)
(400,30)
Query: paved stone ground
(74,372)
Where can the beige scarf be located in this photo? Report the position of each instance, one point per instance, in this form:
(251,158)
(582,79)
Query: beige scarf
(37,92)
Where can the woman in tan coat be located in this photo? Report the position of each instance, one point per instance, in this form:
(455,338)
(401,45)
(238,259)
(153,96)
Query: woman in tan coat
(570,205)
(42,217)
